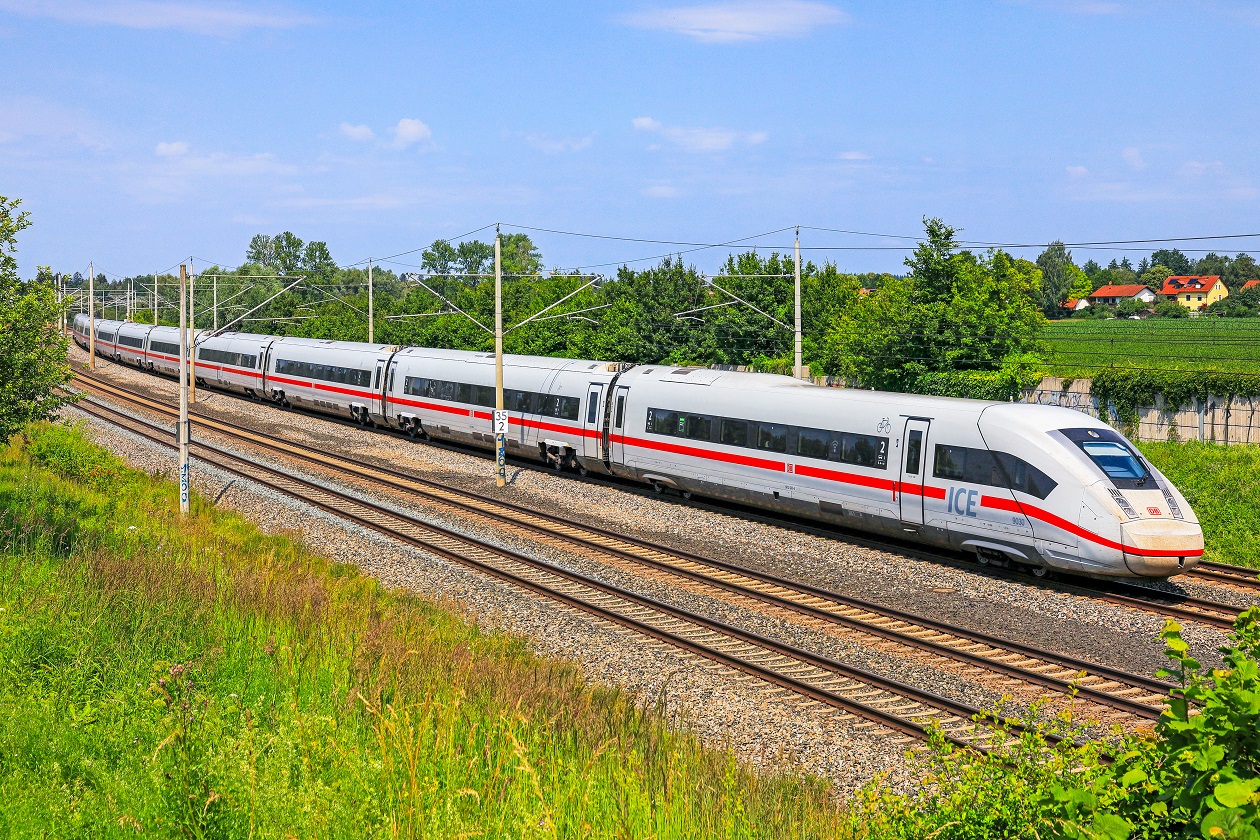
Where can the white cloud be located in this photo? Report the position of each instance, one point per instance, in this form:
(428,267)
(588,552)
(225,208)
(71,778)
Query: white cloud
(1133,157)
(555,146)
(175,149)
(27,118)
(409,131)
(1195,168)
(700,139)
(740,21)
(1077,171)
(198,17)
(358,133)
(662,191)
(854,156)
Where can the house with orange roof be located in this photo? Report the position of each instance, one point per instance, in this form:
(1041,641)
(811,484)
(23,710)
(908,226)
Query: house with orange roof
(1250,284)
(1076,304)
(1194,291)
(1112,295)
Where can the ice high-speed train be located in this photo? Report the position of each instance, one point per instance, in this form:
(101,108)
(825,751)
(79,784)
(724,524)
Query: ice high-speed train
(1037,486)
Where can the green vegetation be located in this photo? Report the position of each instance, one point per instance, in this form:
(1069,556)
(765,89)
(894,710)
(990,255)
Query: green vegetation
(1196,776)
(32,353)
(1222,484)
(1081,348)
(199,679)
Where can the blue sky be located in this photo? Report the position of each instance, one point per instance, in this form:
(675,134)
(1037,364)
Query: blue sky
(140,132)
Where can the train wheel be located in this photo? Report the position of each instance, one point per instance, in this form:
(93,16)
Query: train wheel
(1040,572)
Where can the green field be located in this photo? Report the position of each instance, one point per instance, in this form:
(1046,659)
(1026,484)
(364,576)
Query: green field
(1078,348)
(1222,485)
(196,678)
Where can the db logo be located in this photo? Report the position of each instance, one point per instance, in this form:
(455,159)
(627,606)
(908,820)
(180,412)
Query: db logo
(1154,511)
(790,469)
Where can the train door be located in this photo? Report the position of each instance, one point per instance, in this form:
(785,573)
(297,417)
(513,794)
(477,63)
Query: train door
(591,421)
(914,462)
(377,383)
(389,387)
(617,428)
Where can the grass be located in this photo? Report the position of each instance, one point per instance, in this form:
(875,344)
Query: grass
(200,679)
(1080,347)
(1222,484)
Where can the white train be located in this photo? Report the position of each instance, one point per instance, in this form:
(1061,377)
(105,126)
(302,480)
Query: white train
(1037,486)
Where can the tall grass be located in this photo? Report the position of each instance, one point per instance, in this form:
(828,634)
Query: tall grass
(201,679)
(1222,485)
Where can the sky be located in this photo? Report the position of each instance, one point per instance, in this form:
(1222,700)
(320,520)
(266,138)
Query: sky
(139,133)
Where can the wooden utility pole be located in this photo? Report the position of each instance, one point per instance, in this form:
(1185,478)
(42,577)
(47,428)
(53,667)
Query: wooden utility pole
(798,369)
(371,313)
(183,390)
(214,324)
(500,416)
(91,317)
(129,299)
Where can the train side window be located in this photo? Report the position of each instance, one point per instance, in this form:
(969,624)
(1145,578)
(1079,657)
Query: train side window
(390,387)
(951,462)
(376,382)
(699,427)
(983,469)
(734,432)
(464,393)
(1024,477)
(591,405)
(621,411)
(772,437)
(914,452)
(812,443)
(570,407)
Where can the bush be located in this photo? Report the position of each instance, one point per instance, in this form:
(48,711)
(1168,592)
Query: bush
(1170,309)
(1196,776)
(1017,374)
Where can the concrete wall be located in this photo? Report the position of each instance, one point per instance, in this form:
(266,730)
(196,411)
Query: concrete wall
(1216,419)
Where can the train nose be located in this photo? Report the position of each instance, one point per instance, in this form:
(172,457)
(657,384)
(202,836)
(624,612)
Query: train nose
(1161,547)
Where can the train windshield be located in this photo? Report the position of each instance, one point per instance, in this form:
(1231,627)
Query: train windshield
(1112,454)
(1113,459)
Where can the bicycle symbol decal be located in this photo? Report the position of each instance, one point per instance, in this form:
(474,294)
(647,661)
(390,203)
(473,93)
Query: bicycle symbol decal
(884,427)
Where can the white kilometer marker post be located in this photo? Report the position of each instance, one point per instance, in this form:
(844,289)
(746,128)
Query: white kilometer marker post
(500,416)
(183,389)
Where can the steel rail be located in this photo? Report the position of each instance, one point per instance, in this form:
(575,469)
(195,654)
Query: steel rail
(516,516)
(963,714)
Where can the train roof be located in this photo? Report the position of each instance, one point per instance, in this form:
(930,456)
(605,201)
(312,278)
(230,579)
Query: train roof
(481,357)
(341,345)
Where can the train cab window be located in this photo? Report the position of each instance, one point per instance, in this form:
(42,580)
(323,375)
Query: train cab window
(1112,454)
(734,432)
(772,437)
(621,411)
(813,443)
(1114,459)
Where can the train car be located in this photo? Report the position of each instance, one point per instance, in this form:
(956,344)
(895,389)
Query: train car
(336,377)
(162,352)
(1043,487)
(79,329)
(555,406)
(107,338)
(1037,486)
(233,361)
(132,341)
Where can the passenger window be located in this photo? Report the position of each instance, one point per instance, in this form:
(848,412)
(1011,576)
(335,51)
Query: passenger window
(699,427)
(735,432)
(951,462)
(772,437)
(376,382)
(812,443)
(1024,477)
(914,452)
(591,404)
(621,411)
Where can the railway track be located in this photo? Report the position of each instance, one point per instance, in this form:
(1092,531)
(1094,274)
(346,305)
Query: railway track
(900,707)
(1239,576)
(1132,695)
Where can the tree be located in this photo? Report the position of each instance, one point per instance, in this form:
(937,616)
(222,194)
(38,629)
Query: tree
(1091,268)
(1081,285)
(1155,276)
(1173,259)
(286,253)
(33,363)
(316,261)
(259,251)
(1170,309)
(1056,276)
(954,312)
